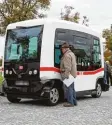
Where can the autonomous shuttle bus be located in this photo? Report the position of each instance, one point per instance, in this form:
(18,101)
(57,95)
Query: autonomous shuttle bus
(32,60)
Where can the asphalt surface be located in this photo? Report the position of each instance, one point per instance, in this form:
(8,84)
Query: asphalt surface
(90,111)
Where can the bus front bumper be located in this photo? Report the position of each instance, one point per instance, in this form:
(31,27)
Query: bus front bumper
(35,92)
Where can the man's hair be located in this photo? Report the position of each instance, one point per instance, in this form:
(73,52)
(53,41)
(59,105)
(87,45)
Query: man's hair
(65,45)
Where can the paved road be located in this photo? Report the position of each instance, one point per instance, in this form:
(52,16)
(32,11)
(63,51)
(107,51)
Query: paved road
(90,111)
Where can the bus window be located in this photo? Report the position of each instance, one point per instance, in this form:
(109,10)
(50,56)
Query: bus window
(57,55)
(60,37)
(85,48)
(14,54)
(23,44)
(33,47)
(96,53)
(82,49)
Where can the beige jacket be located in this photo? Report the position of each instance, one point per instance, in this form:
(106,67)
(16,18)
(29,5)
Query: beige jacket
(68,65)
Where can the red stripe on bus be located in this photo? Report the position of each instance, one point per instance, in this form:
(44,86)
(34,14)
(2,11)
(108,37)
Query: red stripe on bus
(93,72)
(2,69)
(78,73)
(50,69)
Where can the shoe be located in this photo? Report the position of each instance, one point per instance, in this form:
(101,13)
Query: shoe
(68,105)
(65,100)
(75,104)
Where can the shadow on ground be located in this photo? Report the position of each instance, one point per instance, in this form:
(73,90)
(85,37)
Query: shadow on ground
(44,102)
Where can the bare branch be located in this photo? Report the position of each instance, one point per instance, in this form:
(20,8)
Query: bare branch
(7,6)
(2,13)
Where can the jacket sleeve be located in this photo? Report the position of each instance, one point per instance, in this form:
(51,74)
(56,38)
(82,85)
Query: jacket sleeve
(109,69)
(67,65)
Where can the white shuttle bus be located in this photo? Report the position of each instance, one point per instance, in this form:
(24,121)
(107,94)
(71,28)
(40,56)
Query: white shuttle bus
(32,60)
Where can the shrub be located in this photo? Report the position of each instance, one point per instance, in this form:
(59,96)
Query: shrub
(1,79)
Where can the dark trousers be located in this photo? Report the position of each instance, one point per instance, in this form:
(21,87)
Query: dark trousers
(70,94)
(108,77)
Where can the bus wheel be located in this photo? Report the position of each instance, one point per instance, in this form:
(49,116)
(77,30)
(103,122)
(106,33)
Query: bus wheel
(53,97)
(98,91)
(12,99)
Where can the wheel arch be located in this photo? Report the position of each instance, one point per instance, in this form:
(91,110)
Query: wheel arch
(56,83)
(49,86)
(100,80)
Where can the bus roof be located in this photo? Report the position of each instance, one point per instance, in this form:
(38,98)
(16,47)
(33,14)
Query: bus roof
(67,25)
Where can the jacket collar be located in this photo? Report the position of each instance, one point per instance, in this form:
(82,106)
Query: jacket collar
(67,52)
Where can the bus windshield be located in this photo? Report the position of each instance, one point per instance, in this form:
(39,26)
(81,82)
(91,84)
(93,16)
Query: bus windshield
(23,43)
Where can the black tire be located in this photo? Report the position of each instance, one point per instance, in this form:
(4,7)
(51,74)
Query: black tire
(13,100)
(98,91)
(53,97)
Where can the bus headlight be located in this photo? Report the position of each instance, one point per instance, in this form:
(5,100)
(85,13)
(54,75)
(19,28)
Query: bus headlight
(10,72)
(6,72)
(30,72)
(35,72)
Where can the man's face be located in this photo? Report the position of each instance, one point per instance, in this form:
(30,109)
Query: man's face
(63,50)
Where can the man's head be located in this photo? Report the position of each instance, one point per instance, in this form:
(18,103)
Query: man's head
(64,47)
(107,62)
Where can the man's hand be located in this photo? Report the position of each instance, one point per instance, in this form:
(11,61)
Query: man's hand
(67,74)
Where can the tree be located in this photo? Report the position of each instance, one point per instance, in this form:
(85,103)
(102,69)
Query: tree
(107,34)
(19,10)
(67,14)
(85,21)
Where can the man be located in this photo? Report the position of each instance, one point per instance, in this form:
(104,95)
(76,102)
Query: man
(108,74)
(67,67)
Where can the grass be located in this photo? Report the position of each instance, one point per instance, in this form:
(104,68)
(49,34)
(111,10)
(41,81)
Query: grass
(1,79)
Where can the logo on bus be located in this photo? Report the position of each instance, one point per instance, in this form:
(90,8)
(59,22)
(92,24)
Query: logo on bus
(20,67)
